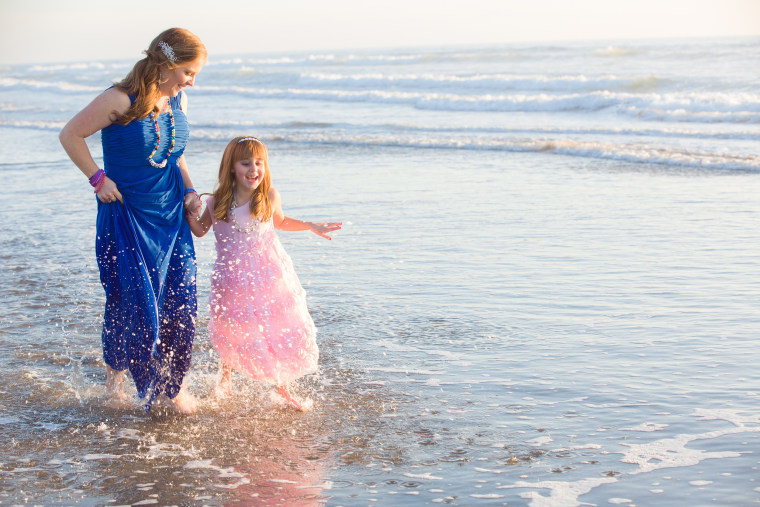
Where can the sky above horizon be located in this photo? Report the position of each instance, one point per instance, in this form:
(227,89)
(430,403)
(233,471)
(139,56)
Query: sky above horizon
(45,31)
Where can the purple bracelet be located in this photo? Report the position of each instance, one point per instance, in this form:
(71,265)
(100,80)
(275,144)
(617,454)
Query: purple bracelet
(95,179)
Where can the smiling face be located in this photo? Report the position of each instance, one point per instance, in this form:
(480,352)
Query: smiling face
(174,80)
(249,173)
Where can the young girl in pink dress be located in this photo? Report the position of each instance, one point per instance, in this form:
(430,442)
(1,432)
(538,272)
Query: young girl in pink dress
(259,323)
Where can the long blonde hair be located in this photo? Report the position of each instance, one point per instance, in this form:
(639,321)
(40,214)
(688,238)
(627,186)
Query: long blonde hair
(238,149)
(143,80)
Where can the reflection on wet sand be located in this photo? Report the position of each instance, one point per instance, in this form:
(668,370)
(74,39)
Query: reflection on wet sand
(263,451)
(283,471)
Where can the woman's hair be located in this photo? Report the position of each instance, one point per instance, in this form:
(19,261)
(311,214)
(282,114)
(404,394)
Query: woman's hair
(239,149)
(171,49)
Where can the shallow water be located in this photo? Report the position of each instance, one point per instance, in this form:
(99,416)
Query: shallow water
(553,304)
(534,332)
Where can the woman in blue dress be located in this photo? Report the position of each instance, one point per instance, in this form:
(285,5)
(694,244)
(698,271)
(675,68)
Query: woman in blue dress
(143,245)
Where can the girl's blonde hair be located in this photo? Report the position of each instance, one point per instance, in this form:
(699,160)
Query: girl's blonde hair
(182,46)
(238,149)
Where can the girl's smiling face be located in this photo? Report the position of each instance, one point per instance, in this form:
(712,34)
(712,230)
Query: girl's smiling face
(249,173)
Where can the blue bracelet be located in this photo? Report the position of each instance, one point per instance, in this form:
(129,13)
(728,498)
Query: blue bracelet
(188,190)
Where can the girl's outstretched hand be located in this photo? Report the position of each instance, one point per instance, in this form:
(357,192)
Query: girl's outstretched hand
(324,228)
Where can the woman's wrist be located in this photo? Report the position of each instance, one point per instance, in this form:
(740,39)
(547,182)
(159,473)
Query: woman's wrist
(190,190)
(97,178)
(99,184)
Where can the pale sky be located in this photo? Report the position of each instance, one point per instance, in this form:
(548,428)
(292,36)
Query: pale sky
(42,31)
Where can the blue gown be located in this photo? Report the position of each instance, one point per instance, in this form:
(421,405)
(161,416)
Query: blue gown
(146,257)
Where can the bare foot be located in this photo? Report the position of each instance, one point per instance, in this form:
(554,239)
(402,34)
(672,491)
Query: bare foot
(184,402)
(285,393)
(115,395)
(224,389)
(225,384)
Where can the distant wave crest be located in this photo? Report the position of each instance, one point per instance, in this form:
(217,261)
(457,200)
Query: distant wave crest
(708,107)
(638,153)
(10,83)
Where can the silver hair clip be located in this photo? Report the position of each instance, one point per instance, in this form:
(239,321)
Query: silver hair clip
(249,139)
(168,52)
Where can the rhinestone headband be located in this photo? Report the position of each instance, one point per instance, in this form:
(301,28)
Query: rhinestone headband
(249,139)
(168,52)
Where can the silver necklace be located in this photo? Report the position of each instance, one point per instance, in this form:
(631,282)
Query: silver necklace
(245,230)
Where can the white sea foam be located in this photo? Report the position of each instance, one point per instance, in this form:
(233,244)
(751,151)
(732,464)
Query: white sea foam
(25,124)
(201,463)
(560,493)
(737,417)
(10,83)
(92,457)
(427,477)
(706,107)
(572,400)
(79,67)
(443,130)
(672,452)
(410,371)
(225,473)
(326,485)
(633,153)
(577,448)
(481,82)
(537,442)
(242,481)
(646,427)
(285,60)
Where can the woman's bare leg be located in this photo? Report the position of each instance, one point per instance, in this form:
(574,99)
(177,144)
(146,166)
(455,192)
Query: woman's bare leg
(115,387)
(184,402)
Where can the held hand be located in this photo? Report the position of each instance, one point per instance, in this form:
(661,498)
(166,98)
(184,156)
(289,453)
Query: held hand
(193,205)
(109,192)
(324,228)
(193,215)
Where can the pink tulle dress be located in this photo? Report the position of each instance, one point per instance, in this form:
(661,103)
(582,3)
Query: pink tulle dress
(259,323)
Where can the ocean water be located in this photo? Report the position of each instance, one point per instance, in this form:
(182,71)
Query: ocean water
(546,290)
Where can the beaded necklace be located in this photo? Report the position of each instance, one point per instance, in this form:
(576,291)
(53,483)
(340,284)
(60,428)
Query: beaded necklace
(154,117)
(245,230)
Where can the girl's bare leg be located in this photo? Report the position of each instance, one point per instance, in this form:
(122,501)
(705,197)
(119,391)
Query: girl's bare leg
(225,384)
(285,393)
